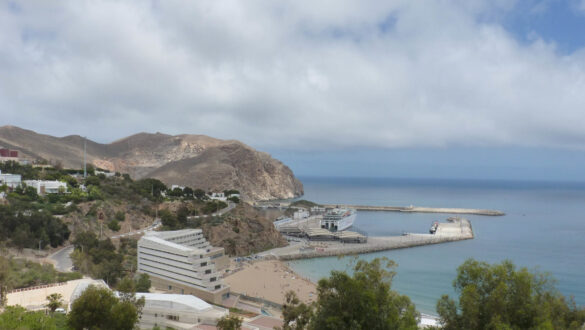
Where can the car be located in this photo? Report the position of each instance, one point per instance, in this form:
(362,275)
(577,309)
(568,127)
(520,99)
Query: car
(60,310)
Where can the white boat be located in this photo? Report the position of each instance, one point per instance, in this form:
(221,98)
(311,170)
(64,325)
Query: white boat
(338,219)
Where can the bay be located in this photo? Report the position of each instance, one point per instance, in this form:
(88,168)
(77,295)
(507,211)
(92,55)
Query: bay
(543,229)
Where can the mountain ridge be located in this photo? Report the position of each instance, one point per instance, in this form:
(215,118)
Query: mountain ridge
(198,161)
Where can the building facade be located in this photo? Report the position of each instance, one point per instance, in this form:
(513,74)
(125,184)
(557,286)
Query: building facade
(47,187)
(11,180)
(182,261)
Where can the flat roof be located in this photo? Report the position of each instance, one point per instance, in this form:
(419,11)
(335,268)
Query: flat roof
(185,299)
(159,240)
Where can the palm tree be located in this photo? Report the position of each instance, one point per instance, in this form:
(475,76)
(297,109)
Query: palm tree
(55,301)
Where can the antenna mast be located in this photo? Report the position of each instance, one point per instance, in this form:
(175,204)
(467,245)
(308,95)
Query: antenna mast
(84,157)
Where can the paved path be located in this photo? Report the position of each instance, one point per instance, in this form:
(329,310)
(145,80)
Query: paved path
(157,223)
(231,206)
(62,261)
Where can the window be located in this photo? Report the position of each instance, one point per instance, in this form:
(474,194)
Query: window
(213,279)
(170,287)
(182,291)
(208,271)
(217,286)
(172,317)
(203,264)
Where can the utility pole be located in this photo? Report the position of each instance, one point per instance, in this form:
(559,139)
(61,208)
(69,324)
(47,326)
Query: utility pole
(40,245)
(84,157)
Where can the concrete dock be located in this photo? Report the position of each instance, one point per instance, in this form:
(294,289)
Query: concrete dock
(455,230)
(420,209)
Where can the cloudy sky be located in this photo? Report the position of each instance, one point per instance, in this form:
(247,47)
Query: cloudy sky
(311,81)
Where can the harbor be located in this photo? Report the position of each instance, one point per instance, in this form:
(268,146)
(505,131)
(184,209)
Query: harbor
(311,236)
(405,209)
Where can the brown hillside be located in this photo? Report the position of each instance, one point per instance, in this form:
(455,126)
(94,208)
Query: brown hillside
(198,161)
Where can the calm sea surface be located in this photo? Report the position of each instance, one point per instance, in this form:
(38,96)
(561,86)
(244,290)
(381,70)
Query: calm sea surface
(543,229)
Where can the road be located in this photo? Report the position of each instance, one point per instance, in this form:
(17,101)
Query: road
(62,260)
(231,206)
(157,223)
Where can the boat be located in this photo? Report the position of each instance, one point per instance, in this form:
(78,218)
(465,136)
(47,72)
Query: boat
(338,219)
(434,227)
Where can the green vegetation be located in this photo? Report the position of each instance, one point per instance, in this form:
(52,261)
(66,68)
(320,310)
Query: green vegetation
(98,308)
(100,258)
(500,296)
(361,301)
(304,203)
(22,273)
(55,301)
(25,228)
(229,323)
(16,317)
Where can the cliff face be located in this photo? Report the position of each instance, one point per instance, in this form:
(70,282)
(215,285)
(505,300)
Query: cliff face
(197,161)
(243,232)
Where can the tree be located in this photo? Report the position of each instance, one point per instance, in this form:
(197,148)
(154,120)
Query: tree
(361,301)
(98,308)
(500,296)
(364,300)
(120,216)
(55,301)
(143,283)
(296,315)
(17,317)
(199,193)
(229,323)
(114,225)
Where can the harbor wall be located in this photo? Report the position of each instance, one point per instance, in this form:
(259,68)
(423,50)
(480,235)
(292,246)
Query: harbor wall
(420,209)
(446,232)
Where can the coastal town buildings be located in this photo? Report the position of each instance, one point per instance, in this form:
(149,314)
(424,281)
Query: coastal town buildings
(47,187)
(182,261)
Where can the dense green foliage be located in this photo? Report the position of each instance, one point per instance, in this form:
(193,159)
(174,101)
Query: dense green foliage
(22,273)
(16,317)
(98,258)
(361,301)
(28,228)
(98,308)
(500,296)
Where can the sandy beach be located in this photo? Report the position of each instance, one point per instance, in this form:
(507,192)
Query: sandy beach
(270,280)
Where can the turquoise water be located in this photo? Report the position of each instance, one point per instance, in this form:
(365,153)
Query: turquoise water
(543,229)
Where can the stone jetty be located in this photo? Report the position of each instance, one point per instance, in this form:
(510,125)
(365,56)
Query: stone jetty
(420,209)
(456,229)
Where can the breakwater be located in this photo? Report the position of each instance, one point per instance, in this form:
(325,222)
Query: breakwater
(420,209)
(455,230)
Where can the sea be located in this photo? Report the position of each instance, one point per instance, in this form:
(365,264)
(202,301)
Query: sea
(543,230)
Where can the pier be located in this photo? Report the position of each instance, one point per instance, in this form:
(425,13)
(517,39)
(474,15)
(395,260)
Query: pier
(420,209)
(456,229)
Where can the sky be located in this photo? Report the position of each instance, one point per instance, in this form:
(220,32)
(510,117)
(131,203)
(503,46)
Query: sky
(314,83)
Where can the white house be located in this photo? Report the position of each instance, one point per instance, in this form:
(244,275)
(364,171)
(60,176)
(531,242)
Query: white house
(218,197)
(47,187)
(11,180)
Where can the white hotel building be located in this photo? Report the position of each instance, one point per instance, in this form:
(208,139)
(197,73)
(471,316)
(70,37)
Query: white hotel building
(182,261)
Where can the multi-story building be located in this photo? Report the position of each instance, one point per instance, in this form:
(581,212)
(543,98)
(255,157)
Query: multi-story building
(182,261)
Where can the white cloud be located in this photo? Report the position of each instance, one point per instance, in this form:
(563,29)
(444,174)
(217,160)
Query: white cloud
(295,74)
